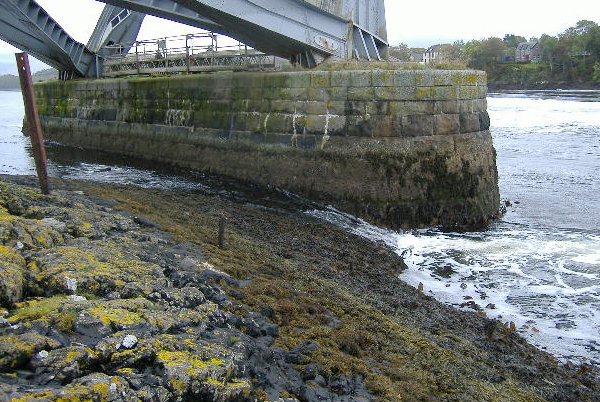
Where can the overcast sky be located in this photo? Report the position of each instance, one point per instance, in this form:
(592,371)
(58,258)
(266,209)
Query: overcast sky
(414,23)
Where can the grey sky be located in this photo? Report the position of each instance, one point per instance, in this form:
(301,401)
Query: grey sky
(414,23)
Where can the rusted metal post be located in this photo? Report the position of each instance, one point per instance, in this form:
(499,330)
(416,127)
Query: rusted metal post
(222,223)
(33,126)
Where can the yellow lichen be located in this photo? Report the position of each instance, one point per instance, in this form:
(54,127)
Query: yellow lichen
(230,384)
(195,364)
(118,316)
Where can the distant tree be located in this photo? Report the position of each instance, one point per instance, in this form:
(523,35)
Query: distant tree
(548,46)
(456,52)
(596,75)
(482,54)
(512,41)
(471,52)
(400,52)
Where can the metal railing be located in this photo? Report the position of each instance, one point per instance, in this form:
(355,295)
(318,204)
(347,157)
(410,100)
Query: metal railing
(183,54)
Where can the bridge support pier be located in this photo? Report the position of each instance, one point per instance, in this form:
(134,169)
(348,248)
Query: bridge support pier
(405,148)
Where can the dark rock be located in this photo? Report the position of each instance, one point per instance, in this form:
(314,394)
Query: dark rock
(146,222)
(63,365)
(187,297)
(91,326)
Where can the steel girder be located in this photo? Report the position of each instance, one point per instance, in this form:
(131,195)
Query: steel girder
(27,26)
(305,31)
(116,25)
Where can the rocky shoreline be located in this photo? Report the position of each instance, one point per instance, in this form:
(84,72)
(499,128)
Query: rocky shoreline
(120,293)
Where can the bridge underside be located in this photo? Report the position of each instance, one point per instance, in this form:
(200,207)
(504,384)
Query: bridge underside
(292,29)
(304,31)
(25,25)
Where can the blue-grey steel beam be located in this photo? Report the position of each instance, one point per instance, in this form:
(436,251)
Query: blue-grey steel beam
(27,26)
(169,10)
(298,29)
(116,25)
(306,31)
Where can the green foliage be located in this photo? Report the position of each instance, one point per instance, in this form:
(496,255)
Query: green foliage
(570,57)
(596,75)
(512,41)
(487,52)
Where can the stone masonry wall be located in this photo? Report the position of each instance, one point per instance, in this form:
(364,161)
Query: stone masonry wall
(398,147)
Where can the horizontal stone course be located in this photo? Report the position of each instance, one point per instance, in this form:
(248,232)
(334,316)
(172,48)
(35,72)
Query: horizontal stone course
(380,143)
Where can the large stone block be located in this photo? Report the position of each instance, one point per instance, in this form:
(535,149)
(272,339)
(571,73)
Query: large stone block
(383,78)
(320,79)
(340,78)
(417,125)
(392,93)
(446,124)
(361,93)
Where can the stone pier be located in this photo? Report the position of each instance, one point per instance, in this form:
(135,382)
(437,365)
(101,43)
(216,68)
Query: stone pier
(398,147)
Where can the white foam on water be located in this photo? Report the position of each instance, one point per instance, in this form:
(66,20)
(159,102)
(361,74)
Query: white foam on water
(529,276)
(588,259)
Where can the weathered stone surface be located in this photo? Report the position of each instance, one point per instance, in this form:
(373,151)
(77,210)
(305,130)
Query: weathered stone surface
(261,126)
(331,301)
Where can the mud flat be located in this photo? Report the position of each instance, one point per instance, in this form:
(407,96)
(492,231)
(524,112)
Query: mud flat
(123,293)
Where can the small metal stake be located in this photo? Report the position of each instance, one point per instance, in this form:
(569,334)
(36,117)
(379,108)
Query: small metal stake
(222,222)
(33,126)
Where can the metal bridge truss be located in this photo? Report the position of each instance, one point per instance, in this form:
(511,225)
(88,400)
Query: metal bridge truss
(185,54)
(294,29)
(303,31)
(27,26)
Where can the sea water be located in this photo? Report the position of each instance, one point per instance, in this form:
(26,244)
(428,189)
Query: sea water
(538,267)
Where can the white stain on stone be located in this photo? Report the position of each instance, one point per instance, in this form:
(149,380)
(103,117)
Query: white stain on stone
(295,136)
(328,116)
(177,117)
(71,284)
(43,354)
(129,341)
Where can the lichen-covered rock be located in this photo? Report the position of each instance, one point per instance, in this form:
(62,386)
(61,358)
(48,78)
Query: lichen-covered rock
(149,318)
(12,272)
(63,365)
(96,267)
(104,293)
(17,350)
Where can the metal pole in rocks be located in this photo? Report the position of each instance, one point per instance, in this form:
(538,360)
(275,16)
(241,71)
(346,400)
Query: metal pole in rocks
(33,126)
